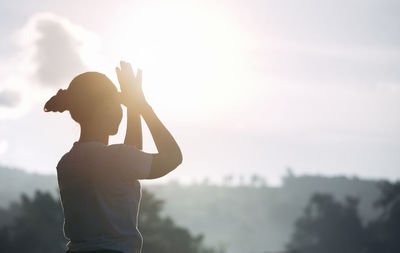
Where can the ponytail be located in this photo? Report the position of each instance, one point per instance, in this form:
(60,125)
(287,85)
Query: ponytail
(58,103)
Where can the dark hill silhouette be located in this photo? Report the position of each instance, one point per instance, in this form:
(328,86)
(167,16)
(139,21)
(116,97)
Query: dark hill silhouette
(14,182)
(37,227)
(246,218)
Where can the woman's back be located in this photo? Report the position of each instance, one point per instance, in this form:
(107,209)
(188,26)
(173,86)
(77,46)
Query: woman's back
(100,194)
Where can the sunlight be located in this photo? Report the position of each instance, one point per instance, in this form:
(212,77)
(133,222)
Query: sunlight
(192,53)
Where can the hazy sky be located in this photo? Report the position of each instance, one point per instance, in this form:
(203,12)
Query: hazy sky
(244,86)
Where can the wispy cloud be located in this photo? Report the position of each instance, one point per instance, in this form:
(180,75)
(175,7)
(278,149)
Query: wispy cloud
(50,50)
(57,52)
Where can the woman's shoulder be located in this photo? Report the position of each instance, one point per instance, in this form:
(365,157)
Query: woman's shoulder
(79,151)
(61,162)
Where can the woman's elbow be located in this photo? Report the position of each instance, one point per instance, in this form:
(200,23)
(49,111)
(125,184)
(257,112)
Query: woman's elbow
(175,161)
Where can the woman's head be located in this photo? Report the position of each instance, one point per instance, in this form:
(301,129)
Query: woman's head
(93,102)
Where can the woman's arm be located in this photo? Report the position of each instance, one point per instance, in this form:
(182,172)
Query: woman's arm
(134,129)
(169,155)
(129,85)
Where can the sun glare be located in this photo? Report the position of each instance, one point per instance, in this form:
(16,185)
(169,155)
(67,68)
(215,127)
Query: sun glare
(191,55)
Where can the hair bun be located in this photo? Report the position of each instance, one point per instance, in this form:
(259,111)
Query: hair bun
(58,102)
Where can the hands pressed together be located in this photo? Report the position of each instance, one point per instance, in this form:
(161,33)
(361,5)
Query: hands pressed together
(169,155)
(131,86)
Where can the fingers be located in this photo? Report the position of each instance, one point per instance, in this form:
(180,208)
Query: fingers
(118,70)
(122,64)
(126,70)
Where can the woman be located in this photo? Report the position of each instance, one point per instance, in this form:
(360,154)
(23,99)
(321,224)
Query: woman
(98,183)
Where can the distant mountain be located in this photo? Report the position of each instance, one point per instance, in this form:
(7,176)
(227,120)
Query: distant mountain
(14,182)
(243,219)
(255,219)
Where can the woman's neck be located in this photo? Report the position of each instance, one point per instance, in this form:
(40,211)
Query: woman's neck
(92,135)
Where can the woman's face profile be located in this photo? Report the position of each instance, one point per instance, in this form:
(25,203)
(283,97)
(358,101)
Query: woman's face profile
(107,117)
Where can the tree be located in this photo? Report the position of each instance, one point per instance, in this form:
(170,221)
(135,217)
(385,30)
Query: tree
(38,228)
(161,235)
(385,230)
(328,226)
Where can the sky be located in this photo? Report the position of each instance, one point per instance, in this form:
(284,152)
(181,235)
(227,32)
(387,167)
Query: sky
(246,87)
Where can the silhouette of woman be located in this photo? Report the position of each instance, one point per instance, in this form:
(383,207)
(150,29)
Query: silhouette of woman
(99,187)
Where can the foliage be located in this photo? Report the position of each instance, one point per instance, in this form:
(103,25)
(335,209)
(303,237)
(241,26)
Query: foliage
(241,218)
(328,226)
(37,228)
(161,234)
(385,231)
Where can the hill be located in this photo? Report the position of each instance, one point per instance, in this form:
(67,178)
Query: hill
(245,218)
(14,182)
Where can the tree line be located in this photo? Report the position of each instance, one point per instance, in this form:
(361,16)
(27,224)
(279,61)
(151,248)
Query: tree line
(327,225)
(35,225)
(330,226)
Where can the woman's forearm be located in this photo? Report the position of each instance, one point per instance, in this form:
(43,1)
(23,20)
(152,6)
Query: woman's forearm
(134,129)
(163,139)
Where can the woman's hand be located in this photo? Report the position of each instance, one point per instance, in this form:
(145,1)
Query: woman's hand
(131,86)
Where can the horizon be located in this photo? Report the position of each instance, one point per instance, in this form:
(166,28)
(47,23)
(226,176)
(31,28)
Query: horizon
(229,180)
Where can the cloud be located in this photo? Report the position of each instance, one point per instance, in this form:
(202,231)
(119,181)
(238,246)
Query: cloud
(57,49)
(57,53)
(51,50)
(9,98)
